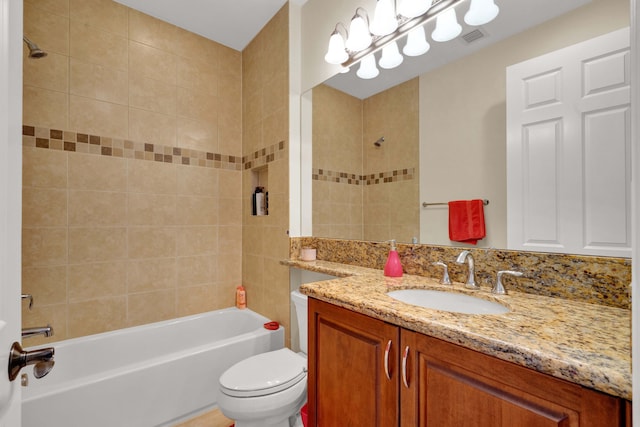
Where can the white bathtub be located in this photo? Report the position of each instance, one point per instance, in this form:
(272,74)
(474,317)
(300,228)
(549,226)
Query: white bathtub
(151,375)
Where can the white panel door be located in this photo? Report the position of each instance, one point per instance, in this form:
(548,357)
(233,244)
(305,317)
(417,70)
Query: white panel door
(568,149)
(10,201)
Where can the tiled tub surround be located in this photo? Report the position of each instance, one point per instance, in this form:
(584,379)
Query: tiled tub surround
(119,233)
(583,343)
(595,280)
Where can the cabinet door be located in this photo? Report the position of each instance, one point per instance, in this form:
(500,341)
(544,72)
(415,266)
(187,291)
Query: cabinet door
(353,368)
(450,386)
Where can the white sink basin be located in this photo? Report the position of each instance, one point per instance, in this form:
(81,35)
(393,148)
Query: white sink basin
(448,301)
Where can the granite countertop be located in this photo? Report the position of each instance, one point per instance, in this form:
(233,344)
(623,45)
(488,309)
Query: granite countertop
(587,344)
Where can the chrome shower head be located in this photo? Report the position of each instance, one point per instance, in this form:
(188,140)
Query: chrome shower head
(34,50)
(379,142)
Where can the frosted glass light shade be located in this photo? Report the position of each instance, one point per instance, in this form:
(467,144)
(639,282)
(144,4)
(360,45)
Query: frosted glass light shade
(336,53)
(481,12)
(368,69)
(391,57)
(413,8)
(447,27)
(359,35)
(384,20)
(417,43)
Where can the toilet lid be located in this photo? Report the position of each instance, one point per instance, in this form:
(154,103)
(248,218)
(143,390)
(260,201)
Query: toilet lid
(264,374)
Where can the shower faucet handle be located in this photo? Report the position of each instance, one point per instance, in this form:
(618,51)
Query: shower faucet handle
(30,298)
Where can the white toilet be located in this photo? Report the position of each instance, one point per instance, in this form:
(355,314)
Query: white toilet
(269,389)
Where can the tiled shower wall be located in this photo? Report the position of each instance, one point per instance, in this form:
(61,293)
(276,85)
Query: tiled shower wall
(265,100)
(361,191)
(132,169)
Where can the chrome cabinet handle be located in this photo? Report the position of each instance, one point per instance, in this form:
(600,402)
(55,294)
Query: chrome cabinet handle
(387,350)
(405,356)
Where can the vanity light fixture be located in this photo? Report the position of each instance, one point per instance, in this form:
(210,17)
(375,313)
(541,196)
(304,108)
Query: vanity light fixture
(413,8)
(391,57)
(368,69)
(417,43)
(337,52)
(359,36)
(385,20)
(480,12)
(447,27)
(363,41)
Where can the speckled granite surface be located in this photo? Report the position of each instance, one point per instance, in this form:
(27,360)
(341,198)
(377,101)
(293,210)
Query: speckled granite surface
(587,344)
(597,280)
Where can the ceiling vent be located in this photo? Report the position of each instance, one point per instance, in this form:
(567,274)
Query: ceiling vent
(472,36)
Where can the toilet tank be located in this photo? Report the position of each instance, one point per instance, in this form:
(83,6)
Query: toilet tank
(300,302)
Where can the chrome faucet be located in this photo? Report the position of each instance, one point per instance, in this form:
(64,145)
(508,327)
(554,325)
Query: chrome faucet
(499,287)
(47,331)
(471,280)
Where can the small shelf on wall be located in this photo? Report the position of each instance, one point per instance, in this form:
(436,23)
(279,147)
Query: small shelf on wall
(260,192)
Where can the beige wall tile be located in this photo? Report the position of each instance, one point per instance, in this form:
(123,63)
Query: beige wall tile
(44,207)
(89,44)
(152,95)
(151,274)
(151,127)
(151,242)
(229,268)
(152,209)
(197,181)
(196,270)
(96,280)
(230,211)
(197,240)
(98,117)
(198,135)
(151,307)
(46,108)
(44,168)
(51,74)
(58,7)
(195,299)
(193,210)
(95,316)
(153,32)
(44,246)
(198,48)
(48,285)
(89,172)
(98,82)
(104,15)
(49,31)
(230,241)
(197,105)
(230,184)
(88,244)
(97,208)
(147,61)
(196,74)
(151,177)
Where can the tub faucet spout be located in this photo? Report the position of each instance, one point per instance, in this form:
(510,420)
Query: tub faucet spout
(471,279)
(47,331)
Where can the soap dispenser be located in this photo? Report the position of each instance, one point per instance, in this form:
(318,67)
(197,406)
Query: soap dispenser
(393,267)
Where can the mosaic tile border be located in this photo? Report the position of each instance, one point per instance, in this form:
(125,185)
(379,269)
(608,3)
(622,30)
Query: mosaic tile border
(55,139)
(371,179)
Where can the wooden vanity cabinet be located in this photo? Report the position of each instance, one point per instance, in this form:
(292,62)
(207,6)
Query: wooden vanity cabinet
(349,356)
(438,384)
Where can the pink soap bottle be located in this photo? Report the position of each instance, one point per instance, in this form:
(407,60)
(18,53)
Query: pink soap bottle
(393,267)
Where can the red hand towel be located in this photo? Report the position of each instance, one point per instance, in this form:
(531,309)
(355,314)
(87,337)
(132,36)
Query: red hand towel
(466,221)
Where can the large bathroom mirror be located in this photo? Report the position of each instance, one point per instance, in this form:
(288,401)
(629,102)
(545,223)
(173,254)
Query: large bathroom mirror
(382,148)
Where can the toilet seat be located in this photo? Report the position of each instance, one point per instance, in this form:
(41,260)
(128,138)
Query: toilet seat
(264,374)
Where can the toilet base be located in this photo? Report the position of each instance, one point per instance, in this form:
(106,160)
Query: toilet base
(294,421)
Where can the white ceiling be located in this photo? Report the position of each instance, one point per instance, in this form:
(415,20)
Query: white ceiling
(233,23)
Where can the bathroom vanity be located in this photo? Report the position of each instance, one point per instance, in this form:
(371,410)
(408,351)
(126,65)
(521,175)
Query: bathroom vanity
(374,360)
